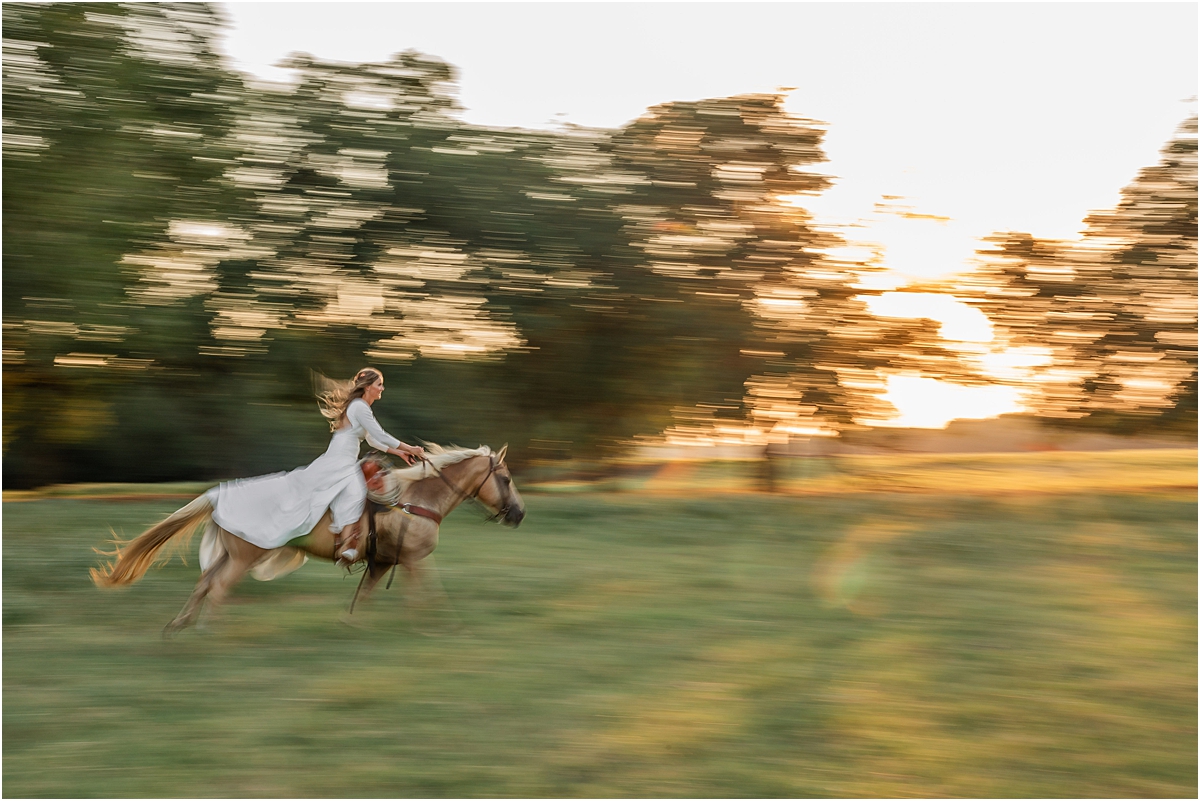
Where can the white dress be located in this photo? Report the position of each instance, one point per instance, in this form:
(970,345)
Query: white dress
(270,511)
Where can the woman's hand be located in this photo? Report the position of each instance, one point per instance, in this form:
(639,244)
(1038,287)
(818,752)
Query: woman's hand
(409,452)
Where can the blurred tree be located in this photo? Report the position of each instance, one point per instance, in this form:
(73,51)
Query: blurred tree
(720,212)
(1117,312)
(379,212)
(710,208)
(115,119)
(182,247)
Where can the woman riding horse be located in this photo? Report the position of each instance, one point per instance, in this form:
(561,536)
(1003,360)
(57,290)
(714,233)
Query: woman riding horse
(270,511)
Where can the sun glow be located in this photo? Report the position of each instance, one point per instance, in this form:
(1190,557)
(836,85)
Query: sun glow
(929,403)
(916,251)
(959,321)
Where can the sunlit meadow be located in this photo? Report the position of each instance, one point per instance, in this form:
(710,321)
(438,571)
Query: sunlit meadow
(884,639)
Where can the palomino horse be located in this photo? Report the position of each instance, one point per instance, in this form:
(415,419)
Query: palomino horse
(411,504)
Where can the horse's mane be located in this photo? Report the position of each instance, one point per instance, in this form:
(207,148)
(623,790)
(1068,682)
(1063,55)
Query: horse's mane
(437,457)
(440,457)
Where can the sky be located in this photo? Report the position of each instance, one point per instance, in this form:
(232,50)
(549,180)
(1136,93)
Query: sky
(984,117)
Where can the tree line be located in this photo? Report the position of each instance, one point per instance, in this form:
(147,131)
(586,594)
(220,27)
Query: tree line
(182,247)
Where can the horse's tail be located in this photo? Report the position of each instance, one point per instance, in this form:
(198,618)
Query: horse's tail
(135,557)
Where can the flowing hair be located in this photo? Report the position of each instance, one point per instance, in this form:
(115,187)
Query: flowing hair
(334,396)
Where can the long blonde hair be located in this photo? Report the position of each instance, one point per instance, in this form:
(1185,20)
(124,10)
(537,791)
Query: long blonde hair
(334,397)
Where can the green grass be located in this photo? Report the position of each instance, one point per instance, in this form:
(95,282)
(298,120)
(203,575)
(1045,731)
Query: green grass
(623,645)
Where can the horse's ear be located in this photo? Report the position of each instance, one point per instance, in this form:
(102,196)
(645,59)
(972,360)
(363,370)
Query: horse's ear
(500,455)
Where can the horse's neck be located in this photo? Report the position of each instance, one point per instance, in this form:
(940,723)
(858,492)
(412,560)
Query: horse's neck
(456,483)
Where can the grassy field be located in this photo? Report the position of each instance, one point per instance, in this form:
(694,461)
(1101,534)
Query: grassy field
(847,643)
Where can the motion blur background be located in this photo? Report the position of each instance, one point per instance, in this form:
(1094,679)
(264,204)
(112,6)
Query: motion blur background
(721,276)
(184,238)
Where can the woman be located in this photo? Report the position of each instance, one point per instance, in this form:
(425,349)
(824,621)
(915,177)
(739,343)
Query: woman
(273,510)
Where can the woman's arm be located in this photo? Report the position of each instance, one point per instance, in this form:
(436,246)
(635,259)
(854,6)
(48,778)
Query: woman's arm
(359,413)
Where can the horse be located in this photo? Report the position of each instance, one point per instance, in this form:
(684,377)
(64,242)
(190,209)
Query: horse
(400,527)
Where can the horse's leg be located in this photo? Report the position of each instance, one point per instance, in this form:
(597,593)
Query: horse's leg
(368,583)
(413,594)
(203,587)
(215,582)
(241,557)
(370,580)
(431,578)
(425,594)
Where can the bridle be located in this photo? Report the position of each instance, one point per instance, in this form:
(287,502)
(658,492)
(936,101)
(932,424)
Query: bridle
(392,499)
(493,465)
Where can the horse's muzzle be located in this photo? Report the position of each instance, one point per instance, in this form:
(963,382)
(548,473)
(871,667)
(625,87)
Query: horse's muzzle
(513,516)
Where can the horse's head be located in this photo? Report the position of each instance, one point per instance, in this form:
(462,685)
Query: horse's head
(499,492)
(455,474)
